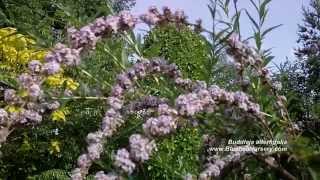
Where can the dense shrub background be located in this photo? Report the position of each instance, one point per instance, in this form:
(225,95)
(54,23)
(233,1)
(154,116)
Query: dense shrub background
(182,46)
(49,151)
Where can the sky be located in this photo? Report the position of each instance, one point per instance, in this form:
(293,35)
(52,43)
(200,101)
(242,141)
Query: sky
(286,12)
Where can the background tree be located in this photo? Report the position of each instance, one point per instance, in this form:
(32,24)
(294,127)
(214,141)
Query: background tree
(309,58)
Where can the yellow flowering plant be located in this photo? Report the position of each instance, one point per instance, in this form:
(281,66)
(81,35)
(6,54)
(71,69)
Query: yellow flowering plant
(59,115)
(58,80)
(54,147)
(16,50)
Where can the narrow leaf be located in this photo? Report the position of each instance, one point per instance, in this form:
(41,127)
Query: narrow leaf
(270,29)
(253,21)
(263,7)
(255,5)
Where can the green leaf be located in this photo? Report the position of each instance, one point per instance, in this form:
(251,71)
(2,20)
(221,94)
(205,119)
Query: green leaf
(255,5)
(263,7)
(236,24)
(270,29)
(258,40)
(252,20)
(263,18)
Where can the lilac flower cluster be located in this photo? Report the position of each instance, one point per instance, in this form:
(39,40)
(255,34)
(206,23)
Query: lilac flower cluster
(154,17)
(31,84)
(141,147)
(123,161)
(199,99)
(140,150)
(85,39)
(26,104)
(61,55)
(87,36)
(102,176)
(162,125)
(206,99)
(145,103)
(3,116)
(245,56)
(114,117)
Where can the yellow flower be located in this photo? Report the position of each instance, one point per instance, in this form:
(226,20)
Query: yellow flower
(17,49)
(13,109)
(39,55)
(18,41)
(24,57)
(58,81)
(54,147)
(10,53)
(23,93)
(60,115)
(55,80)
(7,31)
(71,84)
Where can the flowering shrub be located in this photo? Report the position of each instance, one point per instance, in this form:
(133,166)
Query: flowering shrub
(135,125)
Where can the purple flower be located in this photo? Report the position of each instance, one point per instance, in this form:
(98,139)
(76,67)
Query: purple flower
(123,161)
(33,116)
(140,69)
(76,174)
(84,161)
(113,23)
(102,176)
(25,80)
(94,150)
(212,171)
(62,54)
(35,66)
(10,95)
(127,20)
(189,104)
(152,17)
(141,147)
(117,91)
(115,103)
(241,100)
(51,68)
(124,81)
(180,16)
(164,109)
(34,90)
(95,137)
(3,116)
(53,106)
(160,126)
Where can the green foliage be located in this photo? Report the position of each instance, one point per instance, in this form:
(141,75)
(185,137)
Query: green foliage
(179,154)
(180,45)
(54,174)
(308,55)
(28,152)
(49,151)
(176,156)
